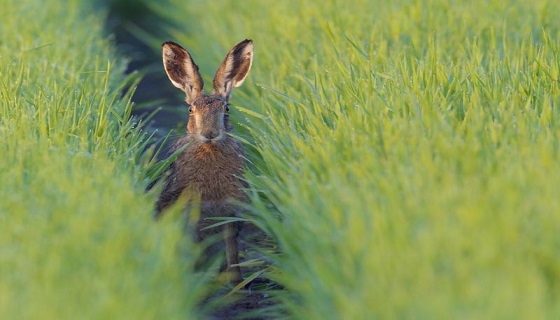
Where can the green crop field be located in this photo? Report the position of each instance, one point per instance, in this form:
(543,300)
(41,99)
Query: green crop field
(77,239)
(405,159)
(410,148)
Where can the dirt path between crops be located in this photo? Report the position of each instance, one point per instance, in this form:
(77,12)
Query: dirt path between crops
(256,296)
(155,87)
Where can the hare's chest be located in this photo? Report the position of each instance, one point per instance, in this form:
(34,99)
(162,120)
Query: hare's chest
(215,177)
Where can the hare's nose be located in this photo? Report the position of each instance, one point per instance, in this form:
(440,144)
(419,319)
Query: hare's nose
(210,134)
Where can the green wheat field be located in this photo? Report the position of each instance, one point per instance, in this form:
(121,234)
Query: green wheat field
(405,160)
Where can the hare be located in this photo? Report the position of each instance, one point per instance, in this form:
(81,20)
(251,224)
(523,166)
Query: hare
(212,163)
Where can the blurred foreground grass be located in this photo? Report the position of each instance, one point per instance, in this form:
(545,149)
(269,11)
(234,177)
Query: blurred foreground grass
(77,238)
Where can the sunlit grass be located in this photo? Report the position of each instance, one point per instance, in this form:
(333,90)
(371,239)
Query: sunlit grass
(410,148)
(77,238)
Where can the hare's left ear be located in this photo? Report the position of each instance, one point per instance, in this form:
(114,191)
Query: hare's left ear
(182,71)
(234,69)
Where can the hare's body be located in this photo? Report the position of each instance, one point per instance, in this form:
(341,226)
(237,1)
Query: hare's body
(212,171)
(212,163)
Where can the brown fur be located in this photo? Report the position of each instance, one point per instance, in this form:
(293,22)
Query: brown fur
(212,164)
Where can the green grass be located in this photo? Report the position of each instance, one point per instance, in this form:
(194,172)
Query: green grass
(409,147)
(409,150)
(77,238)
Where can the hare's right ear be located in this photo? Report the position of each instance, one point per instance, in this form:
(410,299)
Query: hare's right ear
(234,69)
(182,71)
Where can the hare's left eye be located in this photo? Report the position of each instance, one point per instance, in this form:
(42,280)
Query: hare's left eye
(227,108)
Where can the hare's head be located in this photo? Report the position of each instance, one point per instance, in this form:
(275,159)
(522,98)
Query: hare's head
(209,119)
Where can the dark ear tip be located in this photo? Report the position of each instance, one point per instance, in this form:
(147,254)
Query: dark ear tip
(170,43)
(246,41)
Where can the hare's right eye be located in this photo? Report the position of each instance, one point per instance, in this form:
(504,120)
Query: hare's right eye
(190,109)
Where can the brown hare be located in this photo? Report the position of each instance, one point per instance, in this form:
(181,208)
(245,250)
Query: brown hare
(212,163)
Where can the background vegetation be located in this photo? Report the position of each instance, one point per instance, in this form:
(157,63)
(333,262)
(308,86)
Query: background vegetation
(404,159)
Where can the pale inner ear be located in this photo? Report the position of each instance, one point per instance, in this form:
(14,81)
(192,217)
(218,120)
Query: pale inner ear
(182,71)
(234,69)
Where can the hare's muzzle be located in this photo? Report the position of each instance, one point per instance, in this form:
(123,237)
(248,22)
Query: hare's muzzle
(210,134)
